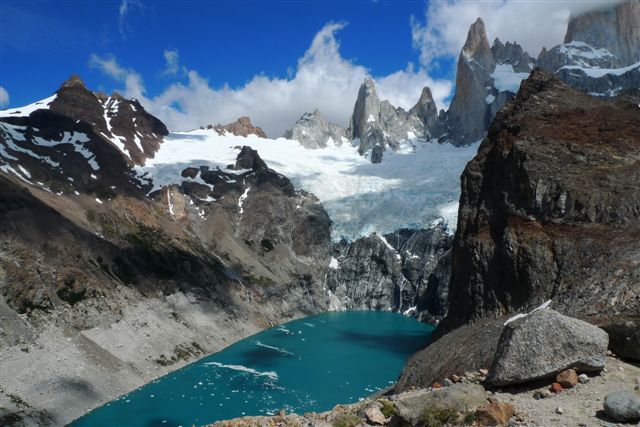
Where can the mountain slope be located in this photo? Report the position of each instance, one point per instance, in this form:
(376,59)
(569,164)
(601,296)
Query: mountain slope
(548,211)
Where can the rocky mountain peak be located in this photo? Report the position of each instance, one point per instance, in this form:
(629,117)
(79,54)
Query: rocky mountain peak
(73,81)
(616,29)
(241,127)
(477,43)
(427,111)
(312,130)
(366,110)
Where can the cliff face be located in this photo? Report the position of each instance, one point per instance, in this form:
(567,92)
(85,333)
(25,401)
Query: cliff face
(616,29)
(549,210)
(400,271)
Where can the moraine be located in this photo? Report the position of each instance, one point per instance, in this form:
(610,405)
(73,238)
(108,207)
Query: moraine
(305,365)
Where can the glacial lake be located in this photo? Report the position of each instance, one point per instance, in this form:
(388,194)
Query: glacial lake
(305,365)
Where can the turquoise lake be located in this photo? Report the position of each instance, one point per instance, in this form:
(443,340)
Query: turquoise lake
(305,365)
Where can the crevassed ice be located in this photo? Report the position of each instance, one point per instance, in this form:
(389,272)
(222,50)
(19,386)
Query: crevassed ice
(411,188)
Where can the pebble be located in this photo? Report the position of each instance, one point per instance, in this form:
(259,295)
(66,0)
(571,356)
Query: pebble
(559,410)
(447,382)
(583,378)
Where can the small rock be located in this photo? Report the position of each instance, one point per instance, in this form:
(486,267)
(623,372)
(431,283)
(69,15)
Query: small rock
(623,406)
(447,382)
(494,414)
(567,378)
(559,410)
(609,353)
(483,372)
(556,388)
(621,369)
(456,378)
(374,415)
(436,385)
(583,378)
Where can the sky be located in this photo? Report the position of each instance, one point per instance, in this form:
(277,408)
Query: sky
(192,63)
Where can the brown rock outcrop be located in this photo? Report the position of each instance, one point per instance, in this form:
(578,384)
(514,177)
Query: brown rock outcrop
(241,127)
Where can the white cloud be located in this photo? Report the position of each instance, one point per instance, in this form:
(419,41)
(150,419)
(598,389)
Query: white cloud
(323,79)
(126,6)
(4,97)
(172,63)
(533,24)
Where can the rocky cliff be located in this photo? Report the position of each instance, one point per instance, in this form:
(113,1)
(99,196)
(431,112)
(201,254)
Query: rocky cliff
(398,272)
(616,29)
(241,127)
(548,211)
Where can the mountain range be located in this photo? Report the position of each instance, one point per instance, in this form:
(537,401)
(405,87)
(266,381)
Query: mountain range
(126,251)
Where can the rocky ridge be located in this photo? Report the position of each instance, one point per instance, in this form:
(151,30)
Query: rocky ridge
(552,186)
(600,56)
(241,127)
(89,255)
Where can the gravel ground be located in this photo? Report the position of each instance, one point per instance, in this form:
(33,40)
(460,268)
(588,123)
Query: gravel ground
(581,405)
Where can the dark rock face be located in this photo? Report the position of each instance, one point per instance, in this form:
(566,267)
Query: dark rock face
(468,348)
(548,208)
(616,29)
(624,339)
(241,127)
(392,272)
(80,141)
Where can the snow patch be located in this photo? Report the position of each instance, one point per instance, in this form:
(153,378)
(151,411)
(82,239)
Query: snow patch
(28,109)
(505,79)
(544,305)
(334,264)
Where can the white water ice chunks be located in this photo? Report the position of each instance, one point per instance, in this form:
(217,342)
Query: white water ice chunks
(280,350)
(244,370)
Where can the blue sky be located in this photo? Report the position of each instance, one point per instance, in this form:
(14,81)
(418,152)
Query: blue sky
(228,42)
(198,62)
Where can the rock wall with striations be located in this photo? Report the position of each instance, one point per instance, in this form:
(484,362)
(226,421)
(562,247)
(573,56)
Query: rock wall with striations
(549,210)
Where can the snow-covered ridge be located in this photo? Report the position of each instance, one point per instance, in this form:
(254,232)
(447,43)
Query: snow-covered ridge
(413,187)
(601,72)
(28,109)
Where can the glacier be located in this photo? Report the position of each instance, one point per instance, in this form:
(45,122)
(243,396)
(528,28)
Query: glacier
(414,187)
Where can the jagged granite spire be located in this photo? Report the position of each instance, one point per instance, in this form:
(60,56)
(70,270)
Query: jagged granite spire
(427,111)
(467,116)
(314,131)
(365,111)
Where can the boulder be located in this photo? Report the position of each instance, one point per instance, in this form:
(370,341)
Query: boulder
(374,415)
(544,343)
(460,397)
(494,414)
(624,338)
(623,406)
(567,379)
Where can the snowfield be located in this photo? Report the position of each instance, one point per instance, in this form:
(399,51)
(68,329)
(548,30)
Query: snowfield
(415,187)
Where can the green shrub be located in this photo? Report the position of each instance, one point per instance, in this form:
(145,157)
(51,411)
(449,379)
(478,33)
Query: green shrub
(388,409)
(438,417)
(347,420)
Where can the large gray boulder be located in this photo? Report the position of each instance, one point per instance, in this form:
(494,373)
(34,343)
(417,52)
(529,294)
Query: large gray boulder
(623,406)
(543,343)
(624,338)
(461,397)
